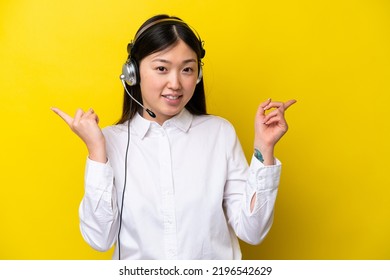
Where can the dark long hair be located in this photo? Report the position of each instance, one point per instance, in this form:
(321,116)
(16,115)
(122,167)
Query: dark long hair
(157,38)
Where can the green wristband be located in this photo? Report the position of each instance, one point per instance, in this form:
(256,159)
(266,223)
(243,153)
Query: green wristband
(259,156)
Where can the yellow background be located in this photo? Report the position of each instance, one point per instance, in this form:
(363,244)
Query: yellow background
(332,56)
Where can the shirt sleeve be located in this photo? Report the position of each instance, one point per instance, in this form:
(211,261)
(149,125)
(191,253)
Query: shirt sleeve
(242,184)
(98,210)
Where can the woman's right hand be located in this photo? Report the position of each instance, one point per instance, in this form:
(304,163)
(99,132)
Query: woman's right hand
(85,125)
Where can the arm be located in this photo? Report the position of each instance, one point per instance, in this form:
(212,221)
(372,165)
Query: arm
(98,209)
(250,222)
(250,194)
(269,128)
(99,222)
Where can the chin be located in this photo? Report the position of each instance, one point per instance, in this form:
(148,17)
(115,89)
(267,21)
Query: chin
(167,114)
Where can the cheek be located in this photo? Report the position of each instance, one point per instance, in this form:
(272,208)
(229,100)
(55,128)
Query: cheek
(188,95)
(149,85)
(189,84)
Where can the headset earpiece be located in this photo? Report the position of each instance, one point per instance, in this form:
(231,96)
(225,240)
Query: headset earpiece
(200,75)
(130,72)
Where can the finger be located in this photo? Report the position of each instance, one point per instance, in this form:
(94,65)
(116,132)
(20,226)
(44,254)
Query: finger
(265,103)
(280,105)
(89,113)
(77,116)
(271,115)
(275,119)
(68,119)
(97,119)
(260,109)
(273,104)
(289,103)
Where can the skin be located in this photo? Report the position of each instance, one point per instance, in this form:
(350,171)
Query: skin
(168,81)
(269,128)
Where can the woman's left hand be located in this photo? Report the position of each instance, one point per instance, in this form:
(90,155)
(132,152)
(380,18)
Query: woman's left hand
(269,128)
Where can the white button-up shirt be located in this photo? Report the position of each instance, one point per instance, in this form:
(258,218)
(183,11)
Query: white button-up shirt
(187,195)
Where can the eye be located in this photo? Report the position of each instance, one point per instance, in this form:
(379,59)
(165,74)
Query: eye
(188,70)
(161,69)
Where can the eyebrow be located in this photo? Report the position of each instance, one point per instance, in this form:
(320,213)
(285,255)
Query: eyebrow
(169,62)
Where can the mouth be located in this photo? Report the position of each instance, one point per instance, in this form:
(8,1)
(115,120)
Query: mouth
(172,97)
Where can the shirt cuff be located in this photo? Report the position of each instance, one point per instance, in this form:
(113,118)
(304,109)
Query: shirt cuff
(98,176)
(264,177)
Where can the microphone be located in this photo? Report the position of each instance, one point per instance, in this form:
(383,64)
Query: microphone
(153,115)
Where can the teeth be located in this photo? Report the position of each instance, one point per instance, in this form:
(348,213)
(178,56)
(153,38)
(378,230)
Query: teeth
(171,97)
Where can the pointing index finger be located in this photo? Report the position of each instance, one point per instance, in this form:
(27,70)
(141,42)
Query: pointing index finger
(287,104)
(68,119)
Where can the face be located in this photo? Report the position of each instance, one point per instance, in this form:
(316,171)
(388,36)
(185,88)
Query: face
(168,80)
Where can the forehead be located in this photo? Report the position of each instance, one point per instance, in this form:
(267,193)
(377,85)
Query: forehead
(178,51)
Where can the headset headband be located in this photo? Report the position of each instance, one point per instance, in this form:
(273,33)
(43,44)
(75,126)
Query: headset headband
(173,20)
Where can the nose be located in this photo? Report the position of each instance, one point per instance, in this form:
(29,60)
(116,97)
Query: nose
(174,82)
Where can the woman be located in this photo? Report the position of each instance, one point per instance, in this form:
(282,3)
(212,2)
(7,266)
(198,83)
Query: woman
(169,181)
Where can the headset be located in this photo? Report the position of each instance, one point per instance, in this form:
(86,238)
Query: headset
(130,70)
(130,76)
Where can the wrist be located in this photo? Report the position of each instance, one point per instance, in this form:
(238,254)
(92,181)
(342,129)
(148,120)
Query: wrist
(264,155)
(258,155)
(97,153)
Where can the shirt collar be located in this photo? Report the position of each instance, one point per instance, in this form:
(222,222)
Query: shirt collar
(182,121)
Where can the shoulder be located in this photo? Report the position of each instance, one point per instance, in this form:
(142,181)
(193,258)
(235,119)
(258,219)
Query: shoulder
(213,123)
(115,132)
(210,120)
(115,129)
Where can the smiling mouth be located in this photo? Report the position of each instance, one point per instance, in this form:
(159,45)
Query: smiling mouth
(172,97)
